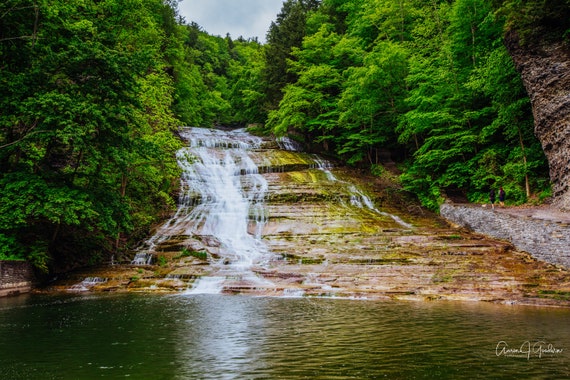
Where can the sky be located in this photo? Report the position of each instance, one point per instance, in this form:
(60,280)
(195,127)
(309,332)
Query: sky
(246,18)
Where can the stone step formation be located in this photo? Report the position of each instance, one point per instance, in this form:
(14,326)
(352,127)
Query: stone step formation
(304,227)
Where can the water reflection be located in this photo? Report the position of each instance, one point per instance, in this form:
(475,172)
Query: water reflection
(328,339)
(219,339)
(239,337)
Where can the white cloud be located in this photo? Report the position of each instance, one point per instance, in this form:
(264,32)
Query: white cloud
(246,18)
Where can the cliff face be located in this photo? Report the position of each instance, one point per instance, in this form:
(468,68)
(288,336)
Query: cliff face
(544,66)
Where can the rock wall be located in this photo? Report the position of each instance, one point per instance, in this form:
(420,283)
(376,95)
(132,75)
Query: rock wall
(544,66)
(15,277)
(545,240)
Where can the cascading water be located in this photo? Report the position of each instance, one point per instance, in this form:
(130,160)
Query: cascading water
(222,212)
(357,197)
(142,258)
(87,284)
(286,143)
(222,199)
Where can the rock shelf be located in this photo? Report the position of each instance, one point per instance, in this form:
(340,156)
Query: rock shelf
(323,243)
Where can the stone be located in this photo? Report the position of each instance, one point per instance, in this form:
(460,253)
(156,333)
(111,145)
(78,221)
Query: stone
(332,232)
(546,240)
(16,277)
(544,66)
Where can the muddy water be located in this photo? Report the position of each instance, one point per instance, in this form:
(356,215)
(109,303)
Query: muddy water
(261,218)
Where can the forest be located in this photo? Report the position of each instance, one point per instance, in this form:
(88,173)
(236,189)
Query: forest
(93,93)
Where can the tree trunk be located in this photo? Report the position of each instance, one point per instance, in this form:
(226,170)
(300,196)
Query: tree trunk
(526,182)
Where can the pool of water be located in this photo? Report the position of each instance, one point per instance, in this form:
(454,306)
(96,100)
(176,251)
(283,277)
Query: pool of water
(240,337)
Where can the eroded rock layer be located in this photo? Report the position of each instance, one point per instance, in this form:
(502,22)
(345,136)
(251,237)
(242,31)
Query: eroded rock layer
(326,232)
(544,66)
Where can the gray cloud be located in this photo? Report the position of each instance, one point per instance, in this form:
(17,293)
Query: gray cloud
(246,18)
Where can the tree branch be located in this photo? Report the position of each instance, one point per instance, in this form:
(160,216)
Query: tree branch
(17,141)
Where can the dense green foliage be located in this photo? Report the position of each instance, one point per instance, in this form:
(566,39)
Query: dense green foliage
(93,91)
(431,82)
(536,19)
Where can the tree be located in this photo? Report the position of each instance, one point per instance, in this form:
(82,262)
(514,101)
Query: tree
(88,119)
(245,82)
(284,34)
(371,103)
(309,106)
(468,112)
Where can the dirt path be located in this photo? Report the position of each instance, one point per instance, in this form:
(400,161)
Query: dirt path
(545,212)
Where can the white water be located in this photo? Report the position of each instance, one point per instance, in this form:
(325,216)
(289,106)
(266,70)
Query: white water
(142,258)
(208,285)
(87,284)
(286,143)
(357,196)
(222,205)
(222,200)
(222,185)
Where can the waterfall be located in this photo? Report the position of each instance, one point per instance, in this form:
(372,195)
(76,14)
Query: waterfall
(357,196)
(87,284)
(222,211)
(225,191)
(142,258)
(222,199)
(286,143)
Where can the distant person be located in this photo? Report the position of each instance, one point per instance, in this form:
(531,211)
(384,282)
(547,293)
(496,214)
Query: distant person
(502,197)
(492,198)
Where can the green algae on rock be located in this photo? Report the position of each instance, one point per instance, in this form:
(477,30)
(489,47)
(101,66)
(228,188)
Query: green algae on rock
(323,234)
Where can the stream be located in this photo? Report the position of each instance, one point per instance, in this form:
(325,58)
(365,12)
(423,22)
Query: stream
(236,337)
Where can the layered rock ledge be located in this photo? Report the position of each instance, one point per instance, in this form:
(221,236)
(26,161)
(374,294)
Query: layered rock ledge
(329,231)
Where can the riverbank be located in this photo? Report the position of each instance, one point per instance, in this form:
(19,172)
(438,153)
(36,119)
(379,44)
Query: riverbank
(16,277)
(542,231)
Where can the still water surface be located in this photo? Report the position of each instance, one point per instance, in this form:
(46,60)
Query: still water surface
(242,337)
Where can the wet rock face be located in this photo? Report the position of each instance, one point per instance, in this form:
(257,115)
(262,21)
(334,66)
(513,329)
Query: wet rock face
(545,71)
(314,229)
